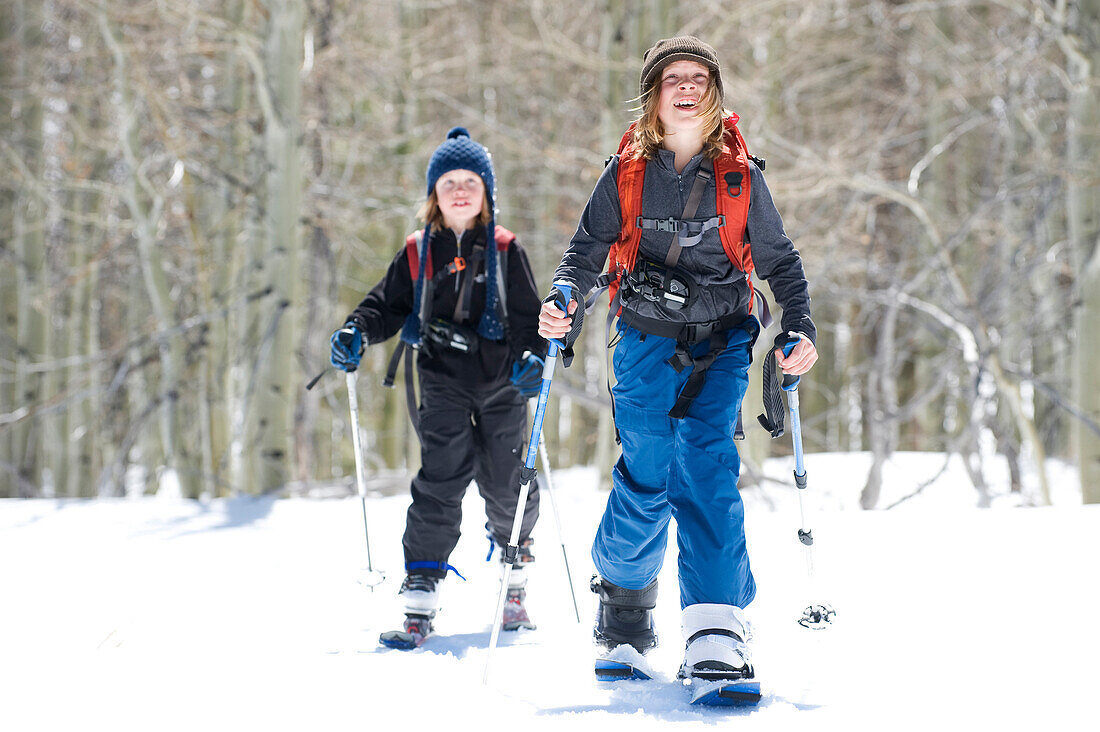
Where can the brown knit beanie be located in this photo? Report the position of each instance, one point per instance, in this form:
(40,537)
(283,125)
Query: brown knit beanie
(681,48)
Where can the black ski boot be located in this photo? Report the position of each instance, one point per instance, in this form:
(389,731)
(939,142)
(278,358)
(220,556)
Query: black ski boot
(625,616)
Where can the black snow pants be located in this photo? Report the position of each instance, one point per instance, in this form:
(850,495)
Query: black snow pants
(467,433)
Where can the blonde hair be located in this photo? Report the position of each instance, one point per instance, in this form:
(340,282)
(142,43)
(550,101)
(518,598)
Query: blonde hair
(649,132)
(429,212)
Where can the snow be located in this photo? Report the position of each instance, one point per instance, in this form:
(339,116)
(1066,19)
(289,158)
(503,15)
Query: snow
(251,614)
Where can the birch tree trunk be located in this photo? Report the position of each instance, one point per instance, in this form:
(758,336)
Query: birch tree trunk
(242,241)
(1083,214)
(32,326)
(277,385)
(57,301)
(883,403)
(9,283)
(146,205)
(317,314)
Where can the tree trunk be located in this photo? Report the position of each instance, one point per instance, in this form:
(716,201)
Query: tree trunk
(278,381)
(883,403)
(1083,214)
(146,204)
(32,326)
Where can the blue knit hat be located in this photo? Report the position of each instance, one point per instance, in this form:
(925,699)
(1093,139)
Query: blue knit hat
(459,152)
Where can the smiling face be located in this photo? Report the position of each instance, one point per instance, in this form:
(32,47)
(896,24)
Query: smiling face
(683,89)
(461,198)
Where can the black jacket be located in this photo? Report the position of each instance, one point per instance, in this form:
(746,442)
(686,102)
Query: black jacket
(382,312)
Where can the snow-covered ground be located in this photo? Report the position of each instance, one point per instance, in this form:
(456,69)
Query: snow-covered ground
(250,614)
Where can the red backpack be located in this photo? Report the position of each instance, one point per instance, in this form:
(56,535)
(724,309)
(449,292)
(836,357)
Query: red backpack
(412,245)
(732,184)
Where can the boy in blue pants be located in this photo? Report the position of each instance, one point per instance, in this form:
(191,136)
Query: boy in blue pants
(684,214)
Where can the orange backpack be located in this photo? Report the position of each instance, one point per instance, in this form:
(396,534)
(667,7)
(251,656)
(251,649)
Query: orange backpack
(733,187)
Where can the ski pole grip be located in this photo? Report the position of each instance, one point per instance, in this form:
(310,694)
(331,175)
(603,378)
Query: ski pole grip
(566,291)
(789,381)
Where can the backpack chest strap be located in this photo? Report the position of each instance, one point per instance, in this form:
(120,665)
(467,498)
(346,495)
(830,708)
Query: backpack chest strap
(688,232)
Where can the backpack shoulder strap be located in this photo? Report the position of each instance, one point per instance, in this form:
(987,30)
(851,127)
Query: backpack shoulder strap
(629,180)
(734,187)
(504,238)
(734,190)
(412,253)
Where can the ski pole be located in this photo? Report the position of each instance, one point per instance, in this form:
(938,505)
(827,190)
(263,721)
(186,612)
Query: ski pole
(815,616)
(373,578)
(527,476)
(557,523)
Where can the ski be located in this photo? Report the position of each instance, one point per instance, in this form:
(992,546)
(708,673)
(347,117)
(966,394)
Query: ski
(725,693)
(623,663)
(417,629)
(607,670)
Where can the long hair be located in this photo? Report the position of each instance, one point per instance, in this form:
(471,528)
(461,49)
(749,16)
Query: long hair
(430,213)
(649,132)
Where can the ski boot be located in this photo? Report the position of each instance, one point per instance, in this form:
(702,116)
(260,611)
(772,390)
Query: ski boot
(717,657)
(420,593)
(515,614)
(417,629)
(624,627)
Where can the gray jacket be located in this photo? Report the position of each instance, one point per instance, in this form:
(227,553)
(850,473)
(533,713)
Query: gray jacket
(664,193)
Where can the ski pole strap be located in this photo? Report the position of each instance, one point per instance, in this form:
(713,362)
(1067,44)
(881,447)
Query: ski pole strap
(315,379)
(433,565)
(772,419)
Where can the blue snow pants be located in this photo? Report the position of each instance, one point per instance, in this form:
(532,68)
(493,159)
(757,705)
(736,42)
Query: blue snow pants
(683,468)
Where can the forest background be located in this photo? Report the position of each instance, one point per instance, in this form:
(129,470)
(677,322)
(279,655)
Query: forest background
(196,193)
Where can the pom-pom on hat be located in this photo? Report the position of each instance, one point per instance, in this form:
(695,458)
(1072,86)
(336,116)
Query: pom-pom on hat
(681,48)
(459,152)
